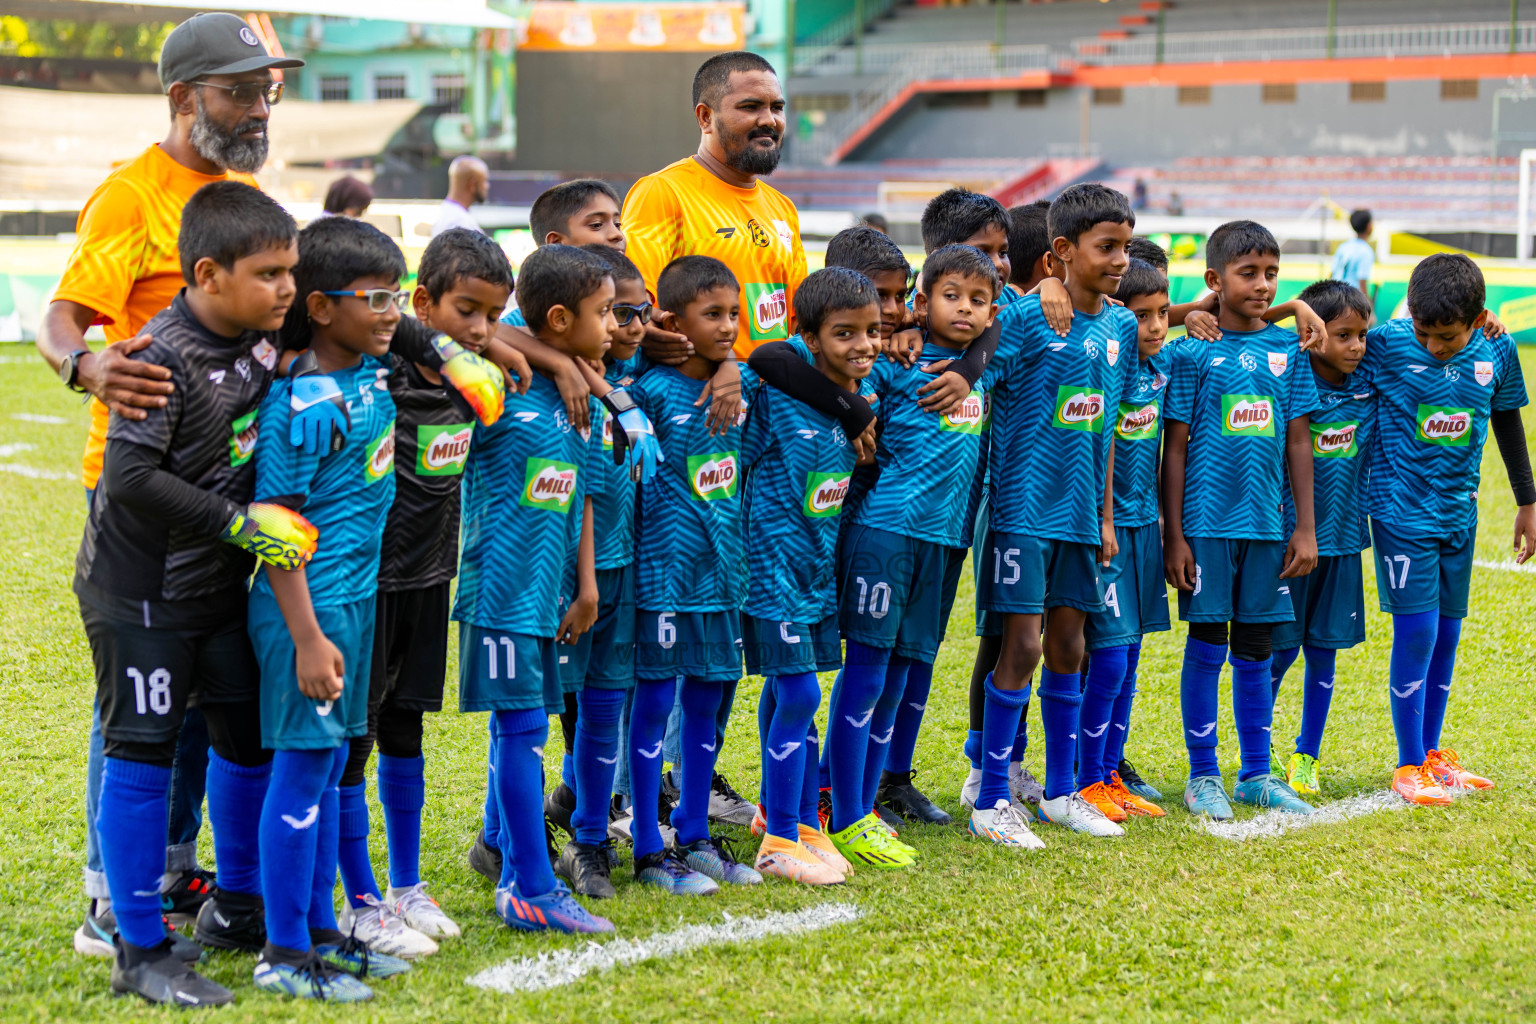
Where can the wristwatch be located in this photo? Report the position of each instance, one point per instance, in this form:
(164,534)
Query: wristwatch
(69,370)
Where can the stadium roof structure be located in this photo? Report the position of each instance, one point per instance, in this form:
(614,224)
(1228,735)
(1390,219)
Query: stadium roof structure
(473,13)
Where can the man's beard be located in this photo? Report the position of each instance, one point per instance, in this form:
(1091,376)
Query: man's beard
(224,146)
(741,154)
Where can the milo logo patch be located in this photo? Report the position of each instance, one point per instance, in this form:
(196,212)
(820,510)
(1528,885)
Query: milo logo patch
(1335,440)
(442,450)
(713,477)
(971,417)
(824,493)
(381,455)
(767,311)
(1136,422)
(549,484)
(1079,408)
(1444,425)
(1249,415)
(242,439)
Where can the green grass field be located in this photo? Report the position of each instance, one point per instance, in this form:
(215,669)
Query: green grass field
(1413,915)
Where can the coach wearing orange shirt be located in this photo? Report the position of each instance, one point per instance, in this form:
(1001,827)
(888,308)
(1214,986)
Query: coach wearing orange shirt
(712,203)
(126,268)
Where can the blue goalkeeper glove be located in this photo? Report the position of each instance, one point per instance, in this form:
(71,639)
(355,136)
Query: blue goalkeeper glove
(634,439)
(318,419)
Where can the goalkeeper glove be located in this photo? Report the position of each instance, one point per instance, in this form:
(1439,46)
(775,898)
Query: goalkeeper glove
(476,385)
(278,536)
(318,419)
(634,439)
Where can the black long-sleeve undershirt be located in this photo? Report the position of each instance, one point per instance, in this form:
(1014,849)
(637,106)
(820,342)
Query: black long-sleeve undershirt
(131,476)
(1509,432)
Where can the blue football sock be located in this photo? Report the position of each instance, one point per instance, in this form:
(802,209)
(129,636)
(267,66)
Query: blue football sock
(823,770)
(1437,684)
(290,832)
(972,748)
(999,725)
(1106,677)
(233,790)
(322,897)
(909,715)
(491,817)
(810,791)
(700,745)
(1120,715)
(647,726)
(568,764)
(1413,647)
(520,790)
(766,705)
(1021,737)
(1061,697)
(853,708)
(882,727)
(723,712)
(130,825)
(1253,712)
(595,760)
(795,700)
(352,857)
(1197,704)
(1280,663)
(402,794)
(1316,694)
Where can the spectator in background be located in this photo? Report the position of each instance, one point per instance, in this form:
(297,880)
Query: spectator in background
(347,197)
(469,182)
(1352,261)
(1175,204)
(876,221)
(1139,195)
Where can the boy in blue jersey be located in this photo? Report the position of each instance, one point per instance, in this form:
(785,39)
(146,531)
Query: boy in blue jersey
(1329,602)
(462,285)
(1441,385)
(312,627)
(689,583)
(1052,512)
(1135,594)
(891,566)
(1236,426)
(527,505)
(799,468)
(161,579)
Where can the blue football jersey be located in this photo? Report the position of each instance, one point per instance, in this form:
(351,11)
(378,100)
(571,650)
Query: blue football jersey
(926,464)
(1342,426)
(613,511)
(1051,418)
(1238,395)
(344,494)
(1431,424)
(688,555)
(524,485)
(1138,429)
(514,317)
(799,465)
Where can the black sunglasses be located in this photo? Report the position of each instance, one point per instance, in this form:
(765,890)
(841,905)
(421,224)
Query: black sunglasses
(623,313)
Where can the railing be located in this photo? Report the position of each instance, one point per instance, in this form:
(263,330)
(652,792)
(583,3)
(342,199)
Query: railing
(961,60)
(815,47)
(1308,44)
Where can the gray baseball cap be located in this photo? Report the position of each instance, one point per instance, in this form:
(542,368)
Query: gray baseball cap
(214,44)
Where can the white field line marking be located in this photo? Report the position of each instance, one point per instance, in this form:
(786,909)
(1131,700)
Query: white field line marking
(1276,823)
(562,967)
(35,474)
(7,450)
(1506,566)
(32,417)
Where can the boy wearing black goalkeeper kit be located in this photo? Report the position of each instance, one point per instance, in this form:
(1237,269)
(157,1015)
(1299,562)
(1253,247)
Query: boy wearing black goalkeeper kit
(162,586)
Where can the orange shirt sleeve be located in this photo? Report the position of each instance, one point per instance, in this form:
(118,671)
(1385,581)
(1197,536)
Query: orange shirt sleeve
(109,248)
(797,268)
(653,224)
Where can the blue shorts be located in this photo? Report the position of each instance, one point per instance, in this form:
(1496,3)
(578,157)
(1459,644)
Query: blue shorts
(700,645)
(1423,574)
(790,648)
(1024,575)
(290,720)
(1329,604)
(604,656)
(1236,581)
(1135,592)
(501,671)
(890,590)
